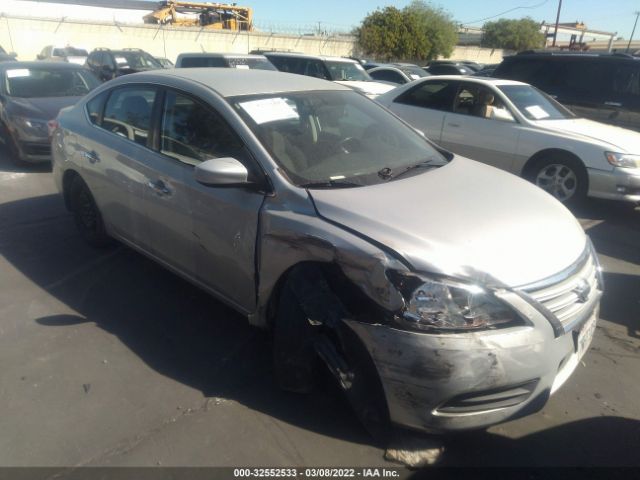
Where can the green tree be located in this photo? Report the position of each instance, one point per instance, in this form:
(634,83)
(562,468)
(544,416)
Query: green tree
(523,34)
(418,32)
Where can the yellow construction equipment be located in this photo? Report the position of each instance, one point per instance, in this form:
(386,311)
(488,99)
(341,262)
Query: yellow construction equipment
(209,15)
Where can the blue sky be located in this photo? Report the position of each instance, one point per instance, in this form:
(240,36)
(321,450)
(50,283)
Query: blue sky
(606,15)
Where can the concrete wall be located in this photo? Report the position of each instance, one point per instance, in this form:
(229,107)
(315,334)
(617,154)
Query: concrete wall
(28,36)
(480,55)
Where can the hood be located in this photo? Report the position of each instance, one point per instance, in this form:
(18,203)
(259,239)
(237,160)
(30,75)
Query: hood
(40,108)
(368,88)
(466,220)
(626,141)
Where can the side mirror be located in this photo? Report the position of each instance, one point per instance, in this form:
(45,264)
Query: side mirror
(13,54)
(221,171)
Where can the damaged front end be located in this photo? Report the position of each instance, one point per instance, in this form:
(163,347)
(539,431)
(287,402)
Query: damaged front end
(423,351)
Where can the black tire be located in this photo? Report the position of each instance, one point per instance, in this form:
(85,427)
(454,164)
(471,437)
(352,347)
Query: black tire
(297,364)
(87,215)
(562,176)
(294,359)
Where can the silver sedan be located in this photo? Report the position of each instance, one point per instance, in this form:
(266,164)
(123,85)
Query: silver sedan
(426,283)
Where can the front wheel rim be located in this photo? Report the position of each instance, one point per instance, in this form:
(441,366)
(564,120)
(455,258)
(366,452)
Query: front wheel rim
(559,180)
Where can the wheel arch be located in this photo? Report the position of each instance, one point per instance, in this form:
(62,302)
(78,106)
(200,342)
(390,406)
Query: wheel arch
(536,158)
(67,180)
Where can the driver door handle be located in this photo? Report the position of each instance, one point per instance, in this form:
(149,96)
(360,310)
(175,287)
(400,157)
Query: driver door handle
(613,104)
(456,125)
(91,156)
(159,188)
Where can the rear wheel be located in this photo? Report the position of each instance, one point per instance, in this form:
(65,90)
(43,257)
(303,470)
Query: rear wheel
(87,215)
(563,177)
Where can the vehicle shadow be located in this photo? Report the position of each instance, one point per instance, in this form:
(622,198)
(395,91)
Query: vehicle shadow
(591,442)
(175,328)
(614,228)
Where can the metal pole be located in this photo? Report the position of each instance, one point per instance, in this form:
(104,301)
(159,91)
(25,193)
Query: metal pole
(633,31)
(555,33)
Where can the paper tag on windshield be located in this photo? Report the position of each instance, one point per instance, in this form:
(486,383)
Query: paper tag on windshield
(18,72)
(269,110)
(243,67)
(537,112)
(121,60)
(414,76)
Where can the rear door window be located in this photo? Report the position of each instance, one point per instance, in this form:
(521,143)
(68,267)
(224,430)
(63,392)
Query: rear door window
(586,81)
(128,113)
(438,95)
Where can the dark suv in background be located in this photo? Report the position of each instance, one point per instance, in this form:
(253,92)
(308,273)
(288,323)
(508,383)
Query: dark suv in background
(602,87)
(107,64)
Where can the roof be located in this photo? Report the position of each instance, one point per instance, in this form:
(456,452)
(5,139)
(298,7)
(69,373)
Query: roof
(220,55)
(230,82)
(484,80)
(565,54)
(317,57)
(40,64)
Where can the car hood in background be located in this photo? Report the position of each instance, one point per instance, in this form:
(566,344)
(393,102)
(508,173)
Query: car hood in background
(41,108)
(368,88)
(627,141)
(466,220)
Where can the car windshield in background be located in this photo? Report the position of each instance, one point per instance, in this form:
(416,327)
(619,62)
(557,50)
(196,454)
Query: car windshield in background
(347,71)
(42,82)
(534,104)
(335,139)
(252,63)
(69,52)
(135,60)
(413,73)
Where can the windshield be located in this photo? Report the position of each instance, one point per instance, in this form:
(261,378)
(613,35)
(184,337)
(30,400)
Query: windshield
(42,82)
(252,63)
(337,138)
(413,72)
(135,60)
(69,52)
(347,71)
(534,104)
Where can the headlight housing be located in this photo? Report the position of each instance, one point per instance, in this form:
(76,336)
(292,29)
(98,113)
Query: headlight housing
(32,127)
(447,306)
(625,160)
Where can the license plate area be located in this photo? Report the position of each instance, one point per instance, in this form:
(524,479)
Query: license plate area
(584,336)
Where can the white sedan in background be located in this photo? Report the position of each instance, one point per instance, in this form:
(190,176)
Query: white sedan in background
(516,127)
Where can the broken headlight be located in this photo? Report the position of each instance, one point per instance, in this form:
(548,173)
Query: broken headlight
(438,305)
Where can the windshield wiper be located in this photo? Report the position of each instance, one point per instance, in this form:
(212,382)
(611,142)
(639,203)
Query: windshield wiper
(387,174)
(331,184)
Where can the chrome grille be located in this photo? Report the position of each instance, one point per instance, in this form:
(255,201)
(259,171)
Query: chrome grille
(571,294)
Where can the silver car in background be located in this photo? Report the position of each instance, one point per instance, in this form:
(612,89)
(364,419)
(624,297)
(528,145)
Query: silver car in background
(427,283)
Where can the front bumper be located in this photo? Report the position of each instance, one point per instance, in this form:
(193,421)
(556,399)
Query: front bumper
(442,383)
(616,184)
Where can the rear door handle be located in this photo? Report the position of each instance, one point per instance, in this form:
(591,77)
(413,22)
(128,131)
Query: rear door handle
(159,187)
(456,125)
(613,104)
(91,156)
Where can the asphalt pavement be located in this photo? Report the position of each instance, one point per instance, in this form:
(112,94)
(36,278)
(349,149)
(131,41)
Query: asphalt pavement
(107,359)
